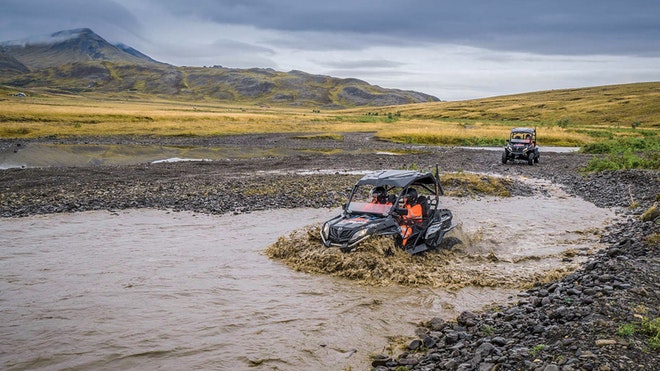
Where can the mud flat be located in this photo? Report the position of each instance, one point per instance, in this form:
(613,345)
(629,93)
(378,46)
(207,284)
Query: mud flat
(600,317)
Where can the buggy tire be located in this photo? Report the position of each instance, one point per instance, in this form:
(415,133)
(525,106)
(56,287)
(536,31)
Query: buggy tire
(530,159)
(398,241)
(449,242)
(505,157)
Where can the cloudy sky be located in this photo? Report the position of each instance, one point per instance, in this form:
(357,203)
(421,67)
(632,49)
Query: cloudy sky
(453,49)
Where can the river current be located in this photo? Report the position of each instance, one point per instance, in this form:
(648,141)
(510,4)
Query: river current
(154,289)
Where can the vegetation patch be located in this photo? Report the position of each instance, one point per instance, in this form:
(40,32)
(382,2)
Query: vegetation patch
(624,153)
(651,214)
(649,328)
(466,184)
(14,132)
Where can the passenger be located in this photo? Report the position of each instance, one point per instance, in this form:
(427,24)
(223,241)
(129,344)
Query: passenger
(379,196)
(414,216)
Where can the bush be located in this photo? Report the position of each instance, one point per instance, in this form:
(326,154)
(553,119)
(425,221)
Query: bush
(623,161)
(624,153)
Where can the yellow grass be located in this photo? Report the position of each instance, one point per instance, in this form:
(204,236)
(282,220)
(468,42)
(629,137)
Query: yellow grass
(38,117)
(479,133)
(562,118)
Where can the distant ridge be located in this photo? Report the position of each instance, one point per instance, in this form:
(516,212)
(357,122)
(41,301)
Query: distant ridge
(79,61)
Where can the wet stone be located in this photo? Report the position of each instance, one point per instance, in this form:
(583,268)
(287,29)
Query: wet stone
(437,324)
(467,319)
(485,349)
(415,344)
(499,341)
(451,337)
(429,341)
(380,360)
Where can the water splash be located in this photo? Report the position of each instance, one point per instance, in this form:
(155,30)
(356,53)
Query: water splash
(379,262)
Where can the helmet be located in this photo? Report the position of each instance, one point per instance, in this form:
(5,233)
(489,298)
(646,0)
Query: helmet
(411,195)
(377,191)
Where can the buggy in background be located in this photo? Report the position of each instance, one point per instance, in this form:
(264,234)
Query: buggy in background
(521,146)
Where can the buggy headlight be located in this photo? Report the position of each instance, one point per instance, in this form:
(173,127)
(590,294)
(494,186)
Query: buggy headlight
(359,234)
(433,228)
(325,230)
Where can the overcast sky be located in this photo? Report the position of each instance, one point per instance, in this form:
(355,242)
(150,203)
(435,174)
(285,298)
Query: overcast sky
(455,50)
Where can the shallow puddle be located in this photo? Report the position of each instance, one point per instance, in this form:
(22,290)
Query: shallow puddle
(156,289)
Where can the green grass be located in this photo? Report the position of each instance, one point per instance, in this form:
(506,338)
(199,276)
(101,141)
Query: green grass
(624,153)
(651,328)
(647,327)
(626,329)
(536,349)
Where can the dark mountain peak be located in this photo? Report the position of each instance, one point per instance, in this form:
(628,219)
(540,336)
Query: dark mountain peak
(71,46)
(76,32)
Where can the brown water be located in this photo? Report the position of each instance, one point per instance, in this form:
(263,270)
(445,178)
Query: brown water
(154,289)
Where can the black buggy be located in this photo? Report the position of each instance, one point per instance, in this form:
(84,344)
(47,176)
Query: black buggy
(521,146)
(375,208)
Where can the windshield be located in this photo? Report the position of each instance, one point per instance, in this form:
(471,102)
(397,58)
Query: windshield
(370,199)
(368,207)
(521,137)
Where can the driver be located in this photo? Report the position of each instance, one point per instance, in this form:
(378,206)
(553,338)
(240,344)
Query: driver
(414,215)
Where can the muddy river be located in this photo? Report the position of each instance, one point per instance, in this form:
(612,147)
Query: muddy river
(163,290)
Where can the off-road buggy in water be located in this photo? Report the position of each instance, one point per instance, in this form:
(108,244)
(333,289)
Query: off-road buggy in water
(521,146)
(375,208)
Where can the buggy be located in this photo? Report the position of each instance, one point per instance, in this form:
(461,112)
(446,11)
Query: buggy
(521,146)
(375,208)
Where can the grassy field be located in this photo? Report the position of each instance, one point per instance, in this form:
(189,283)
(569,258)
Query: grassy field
(622,121)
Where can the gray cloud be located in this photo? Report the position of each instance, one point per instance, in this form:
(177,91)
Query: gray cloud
(545,27)
(454,49)
(25,18)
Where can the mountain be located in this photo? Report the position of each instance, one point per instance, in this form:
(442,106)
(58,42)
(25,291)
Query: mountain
(80,61)
(9,65)
(72,46)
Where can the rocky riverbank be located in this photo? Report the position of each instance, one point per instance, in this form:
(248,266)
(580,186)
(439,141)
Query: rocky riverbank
(598,318)
(601,317)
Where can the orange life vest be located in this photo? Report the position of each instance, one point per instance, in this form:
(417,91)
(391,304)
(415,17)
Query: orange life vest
(414,216)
